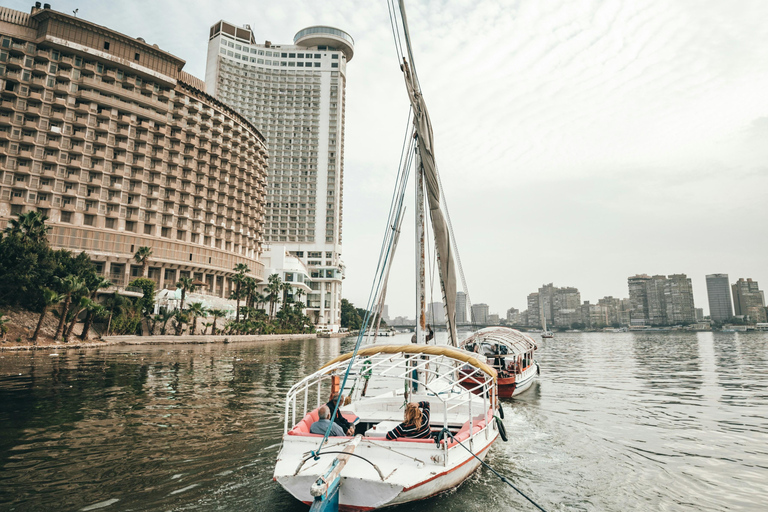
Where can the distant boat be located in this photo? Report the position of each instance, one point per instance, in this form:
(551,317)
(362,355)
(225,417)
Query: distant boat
(510,353)
(545,333)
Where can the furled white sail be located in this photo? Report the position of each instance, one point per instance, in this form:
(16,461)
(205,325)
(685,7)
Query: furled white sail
(443,245)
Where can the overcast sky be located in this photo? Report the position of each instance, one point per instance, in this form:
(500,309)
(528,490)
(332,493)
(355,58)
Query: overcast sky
(579,142)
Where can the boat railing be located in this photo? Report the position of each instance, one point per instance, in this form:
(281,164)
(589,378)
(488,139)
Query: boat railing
(437,376)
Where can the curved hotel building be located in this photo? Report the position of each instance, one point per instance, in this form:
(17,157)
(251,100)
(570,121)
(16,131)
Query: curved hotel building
(294,94)
(120,148)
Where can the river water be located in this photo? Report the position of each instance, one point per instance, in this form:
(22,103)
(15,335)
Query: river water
(616,422)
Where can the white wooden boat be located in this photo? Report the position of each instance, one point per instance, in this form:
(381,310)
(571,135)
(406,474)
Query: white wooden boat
(383,472)
(509,352)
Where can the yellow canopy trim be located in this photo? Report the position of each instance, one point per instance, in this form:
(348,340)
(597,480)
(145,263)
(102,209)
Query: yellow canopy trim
(432,350)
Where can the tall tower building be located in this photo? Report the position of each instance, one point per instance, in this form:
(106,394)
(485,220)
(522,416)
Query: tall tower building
(678,294)
(748,300)
(461,307)
(638,298)
(480,313)
(657,302)
(294,94)
(719,295)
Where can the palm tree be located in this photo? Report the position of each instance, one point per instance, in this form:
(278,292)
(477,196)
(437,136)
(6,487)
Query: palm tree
(95,311)
(164,317)
(196,310)
(70,285)
(3,327)
(273,292)
(114,303)
(180,318)
(142,257)
(50,298)
(216,314)
(30,227)
(77,307)
(240,269)
(287,289)
(186,284)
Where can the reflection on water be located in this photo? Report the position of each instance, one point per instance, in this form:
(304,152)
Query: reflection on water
(619,421)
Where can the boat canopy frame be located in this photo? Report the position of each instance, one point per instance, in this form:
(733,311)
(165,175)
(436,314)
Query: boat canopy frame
(517,343)
(433,370)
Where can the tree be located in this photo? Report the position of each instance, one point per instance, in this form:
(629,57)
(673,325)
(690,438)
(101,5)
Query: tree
(77,307)
(180,318)
(164,317)
(3,327)
(185,284)
(196,310)
(94,312)
(115,304)
(29,227)
(273,292)
(142,257)
(350,317)
(216,314)
(146,304)
(50,298)
(70,285)
(241,269)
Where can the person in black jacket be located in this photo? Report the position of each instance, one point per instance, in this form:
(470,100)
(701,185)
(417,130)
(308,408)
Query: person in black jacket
(339,419)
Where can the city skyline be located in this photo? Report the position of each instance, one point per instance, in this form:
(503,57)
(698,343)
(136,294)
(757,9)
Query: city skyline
(626,131)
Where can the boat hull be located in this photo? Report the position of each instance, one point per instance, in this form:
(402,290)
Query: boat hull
(403,482)
(507,387)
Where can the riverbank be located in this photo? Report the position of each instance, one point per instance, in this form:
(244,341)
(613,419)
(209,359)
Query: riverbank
(155,340)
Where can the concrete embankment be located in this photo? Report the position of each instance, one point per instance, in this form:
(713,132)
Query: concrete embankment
(159,340)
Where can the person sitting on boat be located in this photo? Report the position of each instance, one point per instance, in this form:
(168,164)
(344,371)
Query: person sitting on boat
(415,424)
(340,420)
(430,335)
(321,425)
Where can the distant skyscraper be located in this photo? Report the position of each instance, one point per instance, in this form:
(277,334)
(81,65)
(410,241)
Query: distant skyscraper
(678,293)
(480,313)
(657,304)
(638,298)
(295,95)
(435,313)
(567,306)
(719,295)
(461,308)
(534,310)
(385,312)
(748,300)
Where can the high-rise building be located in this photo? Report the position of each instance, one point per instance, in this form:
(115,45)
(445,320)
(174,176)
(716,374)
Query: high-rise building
(678,294)
(719,295)
(567,306)
(514,316)
(748,300)
(461,307)
(480,314)
(534,310)
(107,136)
(638,298)
(294,93)
(435,313)
(547,303)
(656,314)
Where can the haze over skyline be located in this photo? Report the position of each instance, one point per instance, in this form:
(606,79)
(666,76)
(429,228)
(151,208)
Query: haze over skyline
(579,142)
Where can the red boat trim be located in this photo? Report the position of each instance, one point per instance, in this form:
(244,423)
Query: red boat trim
(406,489)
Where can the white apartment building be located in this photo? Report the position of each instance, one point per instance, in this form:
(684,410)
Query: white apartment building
(294,94)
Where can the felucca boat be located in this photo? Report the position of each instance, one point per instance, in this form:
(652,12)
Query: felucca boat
(369,469)
(510,353)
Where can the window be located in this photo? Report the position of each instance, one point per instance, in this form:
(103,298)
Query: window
(109,223)
(136,57)
(66,217)
(88,220)
(106,45)
(130,225)
(148,228)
